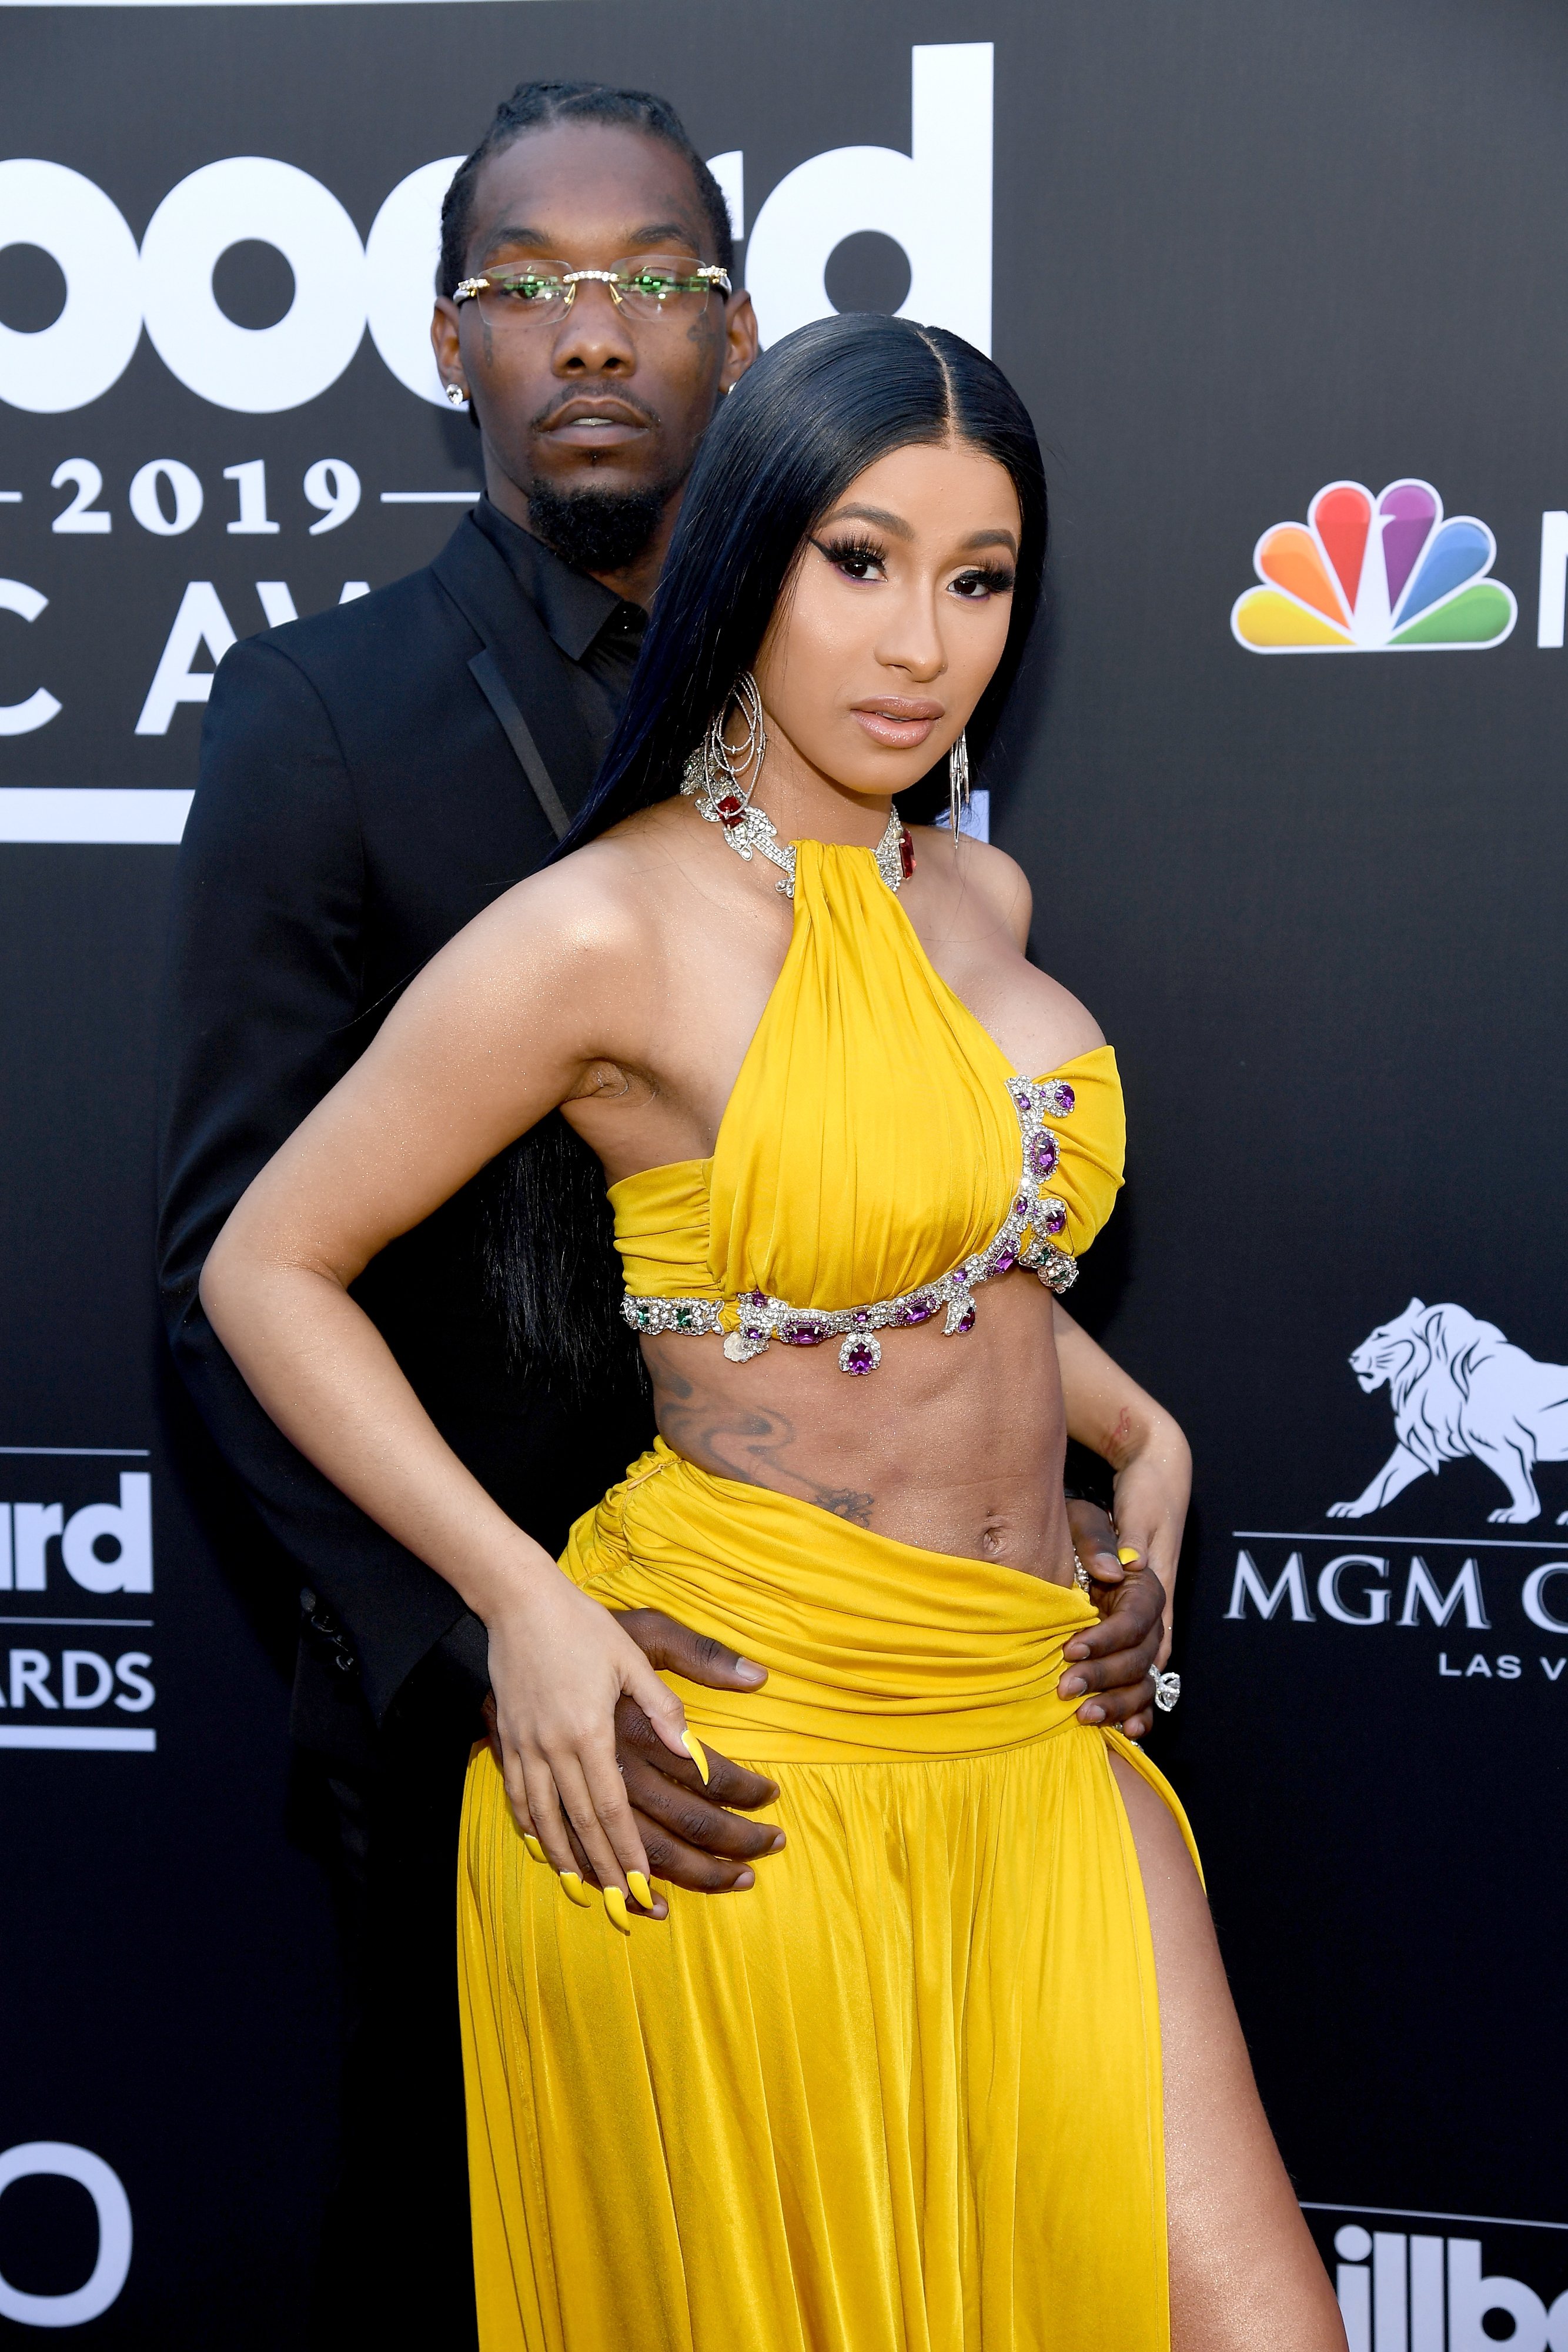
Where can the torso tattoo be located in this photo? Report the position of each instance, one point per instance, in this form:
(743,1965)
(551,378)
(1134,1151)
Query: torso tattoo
(744,1442)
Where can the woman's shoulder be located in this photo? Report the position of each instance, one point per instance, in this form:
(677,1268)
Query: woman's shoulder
(995,884)
(608,893)
(581,932)
(982,952)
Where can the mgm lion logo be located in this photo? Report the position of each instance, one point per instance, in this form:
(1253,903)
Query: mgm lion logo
(1458,1388)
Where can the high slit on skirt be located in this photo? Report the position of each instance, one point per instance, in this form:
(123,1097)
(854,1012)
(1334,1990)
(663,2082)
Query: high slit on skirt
(903,2094)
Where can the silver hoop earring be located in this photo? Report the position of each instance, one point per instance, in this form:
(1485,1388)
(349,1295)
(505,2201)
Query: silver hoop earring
(958,784)
(722,781)
(456,395)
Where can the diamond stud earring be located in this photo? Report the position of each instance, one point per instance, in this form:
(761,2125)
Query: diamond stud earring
(456,395)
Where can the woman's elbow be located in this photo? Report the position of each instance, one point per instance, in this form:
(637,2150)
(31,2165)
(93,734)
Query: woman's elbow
(221,1282)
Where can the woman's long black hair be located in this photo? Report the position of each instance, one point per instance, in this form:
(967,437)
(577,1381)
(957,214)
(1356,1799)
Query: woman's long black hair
(815,412)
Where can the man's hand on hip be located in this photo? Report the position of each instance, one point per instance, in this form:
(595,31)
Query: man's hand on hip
(1114,1661)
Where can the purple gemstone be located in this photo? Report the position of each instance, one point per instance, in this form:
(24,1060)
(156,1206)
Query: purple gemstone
(1019,1206)
(1055,1220)
(1057,1096)
(1020,1095)
(752,1333)
(919,1310)
(1044,1155)
(1005,1263)
(760,1298)
(857,1358)
(863,1319)
(960,1275)
(966,1320)
(805,1335)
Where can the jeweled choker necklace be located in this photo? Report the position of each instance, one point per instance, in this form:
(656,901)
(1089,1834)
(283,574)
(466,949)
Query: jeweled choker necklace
(712,779)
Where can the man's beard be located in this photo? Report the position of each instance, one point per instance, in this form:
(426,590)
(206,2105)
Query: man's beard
(597,530)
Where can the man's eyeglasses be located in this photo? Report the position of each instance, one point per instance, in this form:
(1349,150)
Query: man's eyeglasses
(653,289)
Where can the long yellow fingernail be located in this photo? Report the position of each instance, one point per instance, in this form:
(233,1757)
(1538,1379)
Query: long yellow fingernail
(615,1904)
(535,1849)
(640,1888)
(1127,1555)
(573,1887)
(697,1753)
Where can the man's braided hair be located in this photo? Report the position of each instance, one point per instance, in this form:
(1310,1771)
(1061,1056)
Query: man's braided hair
(533,105)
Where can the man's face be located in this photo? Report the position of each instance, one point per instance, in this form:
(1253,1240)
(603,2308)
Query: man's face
(593,400)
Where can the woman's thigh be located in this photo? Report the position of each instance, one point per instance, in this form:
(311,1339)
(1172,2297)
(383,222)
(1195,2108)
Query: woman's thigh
(1245,2275)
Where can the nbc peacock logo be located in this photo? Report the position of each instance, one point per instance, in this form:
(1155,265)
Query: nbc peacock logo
(1371,575)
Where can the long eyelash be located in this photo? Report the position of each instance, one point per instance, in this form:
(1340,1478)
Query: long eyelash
(996,577)
(841,550)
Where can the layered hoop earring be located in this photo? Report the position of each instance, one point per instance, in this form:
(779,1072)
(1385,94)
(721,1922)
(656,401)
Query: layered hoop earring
(958,783)
(721,782)
(719,779)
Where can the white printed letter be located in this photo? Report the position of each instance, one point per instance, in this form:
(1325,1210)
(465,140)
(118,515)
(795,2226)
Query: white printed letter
(1376,1609)
(130,1522)
(1440,1606)
(200,621)
(935,201)
(1267,1600)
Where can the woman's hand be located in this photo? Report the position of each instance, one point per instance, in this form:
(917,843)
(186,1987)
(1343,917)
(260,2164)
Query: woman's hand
(1152,1490)
(694,1828)
(559,1665)
(1109,1413)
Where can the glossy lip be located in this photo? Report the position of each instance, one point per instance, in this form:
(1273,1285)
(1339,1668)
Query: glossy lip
(596,422)
(897,720)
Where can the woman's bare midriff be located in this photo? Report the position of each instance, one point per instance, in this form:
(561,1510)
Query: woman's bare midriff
(953,1444)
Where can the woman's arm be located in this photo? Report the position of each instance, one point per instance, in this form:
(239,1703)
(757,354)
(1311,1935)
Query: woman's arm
(1109,1413)
(508,1021)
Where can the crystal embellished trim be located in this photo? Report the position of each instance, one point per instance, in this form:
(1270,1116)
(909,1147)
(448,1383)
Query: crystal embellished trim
(698,1314)
(1036,1212)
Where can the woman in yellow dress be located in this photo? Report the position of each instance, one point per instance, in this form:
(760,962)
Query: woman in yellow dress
(960,2073)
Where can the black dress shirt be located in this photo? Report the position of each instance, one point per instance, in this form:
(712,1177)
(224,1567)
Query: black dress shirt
(359,800)
(600,633)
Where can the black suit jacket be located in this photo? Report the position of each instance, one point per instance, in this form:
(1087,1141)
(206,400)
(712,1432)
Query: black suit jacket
(370,779)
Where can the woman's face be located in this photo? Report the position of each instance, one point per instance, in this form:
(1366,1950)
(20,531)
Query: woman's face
(896,618)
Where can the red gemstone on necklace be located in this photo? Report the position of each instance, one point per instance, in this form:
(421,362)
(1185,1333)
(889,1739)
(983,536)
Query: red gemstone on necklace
(729,810)
(906,855)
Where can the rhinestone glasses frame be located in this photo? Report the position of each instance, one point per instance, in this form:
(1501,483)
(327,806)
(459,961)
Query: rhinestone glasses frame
(705,279)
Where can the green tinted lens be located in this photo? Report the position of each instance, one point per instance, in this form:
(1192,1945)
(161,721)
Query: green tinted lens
(651,289)
(655,282)
(528,288)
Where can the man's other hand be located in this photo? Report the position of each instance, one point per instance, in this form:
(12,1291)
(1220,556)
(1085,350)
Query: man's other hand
(1114,1660)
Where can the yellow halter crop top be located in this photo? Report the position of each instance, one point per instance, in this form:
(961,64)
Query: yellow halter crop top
(878,1158)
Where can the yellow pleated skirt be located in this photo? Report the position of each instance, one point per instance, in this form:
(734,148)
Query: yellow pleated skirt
(902,2095)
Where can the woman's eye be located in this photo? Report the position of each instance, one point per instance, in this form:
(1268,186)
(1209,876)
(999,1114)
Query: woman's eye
(975,586)
(855,562)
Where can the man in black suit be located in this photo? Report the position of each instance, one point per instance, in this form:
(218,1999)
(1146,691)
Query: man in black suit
(370,779)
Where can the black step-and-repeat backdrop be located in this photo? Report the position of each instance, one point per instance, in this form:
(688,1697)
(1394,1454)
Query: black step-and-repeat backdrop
(1286,285)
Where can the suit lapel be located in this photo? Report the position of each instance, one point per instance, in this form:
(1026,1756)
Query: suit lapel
(525,678)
